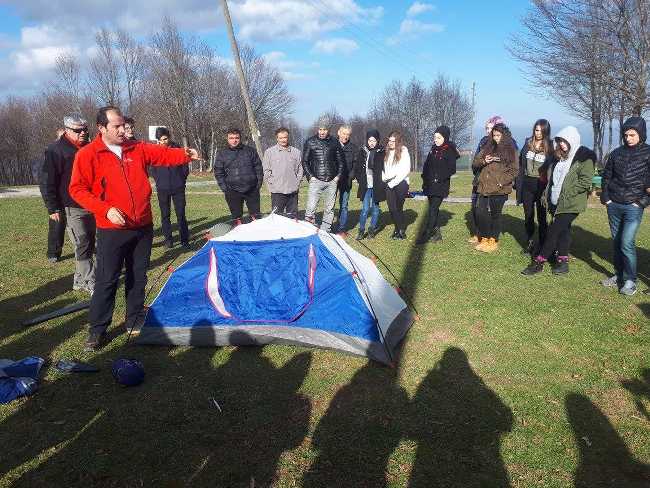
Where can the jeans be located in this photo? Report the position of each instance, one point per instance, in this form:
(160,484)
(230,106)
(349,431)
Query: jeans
(344,198)
(285,203)
(488,211)
(81,230)
(531,191)
(369,205)
(164,200)
(624,220)
(55,236)
(117,248)
(316,189)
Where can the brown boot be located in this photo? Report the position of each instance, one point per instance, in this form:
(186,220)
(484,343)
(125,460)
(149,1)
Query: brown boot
(482,242)
(491,246)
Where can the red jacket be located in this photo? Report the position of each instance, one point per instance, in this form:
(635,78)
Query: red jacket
(100,180)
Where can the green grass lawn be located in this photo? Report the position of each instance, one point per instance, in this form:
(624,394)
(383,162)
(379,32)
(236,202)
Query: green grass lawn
(504,380)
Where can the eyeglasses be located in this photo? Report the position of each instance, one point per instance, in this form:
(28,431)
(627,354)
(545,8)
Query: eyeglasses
(78,131)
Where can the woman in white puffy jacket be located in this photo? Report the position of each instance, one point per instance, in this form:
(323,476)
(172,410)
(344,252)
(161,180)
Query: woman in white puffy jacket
(397,166)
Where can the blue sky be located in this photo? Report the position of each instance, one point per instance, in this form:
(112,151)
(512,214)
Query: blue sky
(333,52)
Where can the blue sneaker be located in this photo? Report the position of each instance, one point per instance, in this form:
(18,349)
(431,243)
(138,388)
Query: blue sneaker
(629,288)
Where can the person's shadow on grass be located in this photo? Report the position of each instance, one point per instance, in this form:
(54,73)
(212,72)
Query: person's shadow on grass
(359,431)
(605,460)
(457,422)
(263,415)
(640,388)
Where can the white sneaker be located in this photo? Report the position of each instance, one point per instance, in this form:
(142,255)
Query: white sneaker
(629,288)
(611,282)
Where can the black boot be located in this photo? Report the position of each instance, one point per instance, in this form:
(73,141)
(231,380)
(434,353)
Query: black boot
(372,233)
(401,235)
(528,250)
(395,233)
(436,236)
(361,235)
(424,237)
(533,268)
(560,267)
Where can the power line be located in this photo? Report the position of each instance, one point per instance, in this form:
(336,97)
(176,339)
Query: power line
(373,43)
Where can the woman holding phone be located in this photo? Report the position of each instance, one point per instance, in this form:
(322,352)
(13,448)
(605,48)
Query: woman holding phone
(497,162)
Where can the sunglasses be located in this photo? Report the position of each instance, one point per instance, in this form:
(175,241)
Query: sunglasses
(78,131)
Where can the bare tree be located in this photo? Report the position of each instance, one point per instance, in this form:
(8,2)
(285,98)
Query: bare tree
(268,91)
(417,111)
(131,55)
(104,73)
(563,55)
(68,74)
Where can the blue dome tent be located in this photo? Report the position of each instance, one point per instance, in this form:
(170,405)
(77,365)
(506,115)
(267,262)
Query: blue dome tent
(279,281)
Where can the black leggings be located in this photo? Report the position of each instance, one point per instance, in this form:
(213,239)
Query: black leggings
(395,198)
(489,209)
(434,212)
(531,193)
(558,236)
(474,213)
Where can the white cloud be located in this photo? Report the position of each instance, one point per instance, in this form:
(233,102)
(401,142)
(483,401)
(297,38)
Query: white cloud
(297,19)
(291,70)
(414,27)
(419,8)
(410,29)
(335,46)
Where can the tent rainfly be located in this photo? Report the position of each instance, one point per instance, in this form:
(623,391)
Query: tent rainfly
(279,281)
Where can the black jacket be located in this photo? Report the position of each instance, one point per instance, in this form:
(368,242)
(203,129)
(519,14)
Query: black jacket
(238,169)
(437,170)
(519,184)
(350,153)
(170,178)
(627,172)
(376,164)
(55,175)
(322,158)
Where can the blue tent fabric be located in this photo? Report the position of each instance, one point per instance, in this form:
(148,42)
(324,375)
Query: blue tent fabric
(19,378)
(251,274)
(290,286)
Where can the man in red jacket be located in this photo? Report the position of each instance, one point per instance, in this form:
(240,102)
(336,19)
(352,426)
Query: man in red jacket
(109,178)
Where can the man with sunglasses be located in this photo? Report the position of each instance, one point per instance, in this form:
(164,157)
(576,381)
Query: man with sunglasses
(62,208)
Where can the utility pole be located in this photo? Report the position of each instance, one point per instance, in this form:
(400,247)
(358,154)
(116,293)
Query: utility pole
(471,133)
(255,133)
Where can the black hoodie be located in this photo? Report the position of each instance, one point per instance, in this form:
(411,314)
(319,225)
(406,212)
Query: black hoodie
(440,166)
(627,172)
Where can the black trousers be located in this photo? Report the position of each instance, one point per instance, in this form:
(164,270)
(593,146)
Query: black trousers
(395,198)
(165,198)
(558,236)
(55,236)
(474,212)
(434,212)
(235,201)
(531,192)
(489,210)
(285,203)
(118,248)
